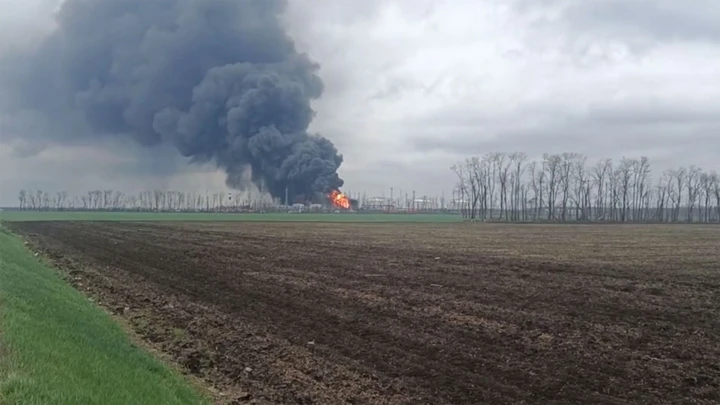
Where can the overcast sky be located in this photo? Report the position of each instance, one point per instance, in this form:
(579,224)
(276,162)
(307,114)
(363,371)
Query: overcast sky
(413,86)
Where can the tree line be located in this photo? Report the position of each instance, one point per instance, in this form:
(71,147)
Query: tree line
(492,187)
(168,200)
(566,187)
(114,200)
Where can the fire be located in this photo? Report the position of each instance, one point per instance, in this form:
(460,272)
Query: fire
(339,199)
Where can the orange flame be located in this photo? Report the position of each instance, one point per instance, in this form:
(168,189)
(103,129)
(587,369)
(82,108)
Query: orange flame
(339,199)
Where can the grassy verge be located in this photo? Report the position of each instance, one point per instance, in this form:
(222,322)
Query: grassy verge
(10,215)
(56,347)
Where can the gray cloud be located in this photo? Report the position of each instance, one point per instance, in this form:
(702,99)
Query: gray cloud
(606,104)
(599,129)
(411,87)
(220,80)
(639,23)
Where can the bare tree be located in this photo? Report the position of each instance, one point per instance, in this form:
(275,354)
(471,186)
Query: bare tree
(494,162)
(31,200)
(22,199)
(503,170)
(518,160)
(478,170)
(615,193)
(679,175)
(640,188)
(706,195)
(117,201)
(157,198)
(551,166)
(600,173)
(693,186)
(463,188)
(624,175)
(581,192)
(537,178)
(39,198)
(567,164)
(716,191)
(487,186)
(663,191)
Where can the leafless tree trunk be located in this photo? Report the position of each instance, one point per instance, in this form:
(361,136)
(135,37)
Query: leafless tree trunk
(481,172)
(157,197)
(117,203)
(463,187)
(679,175)
(503,169)
(693,184)
(494,164)
(581,192)
(473,183)
(566,169)
(518,159)
(45,201)
(716,192)
(642,176)
(615,187)
(661,198)
(551,166)
(536,180)
(706,190)
(600,173)
(31,200)
(22,199)
(624,173)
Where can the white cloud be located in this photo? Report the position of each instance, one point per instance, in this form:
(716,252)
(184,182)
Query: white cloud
(23,22)
(466,77)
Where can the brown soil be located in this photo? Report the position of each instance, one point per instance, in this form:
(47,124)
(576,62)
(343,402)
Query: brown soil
(412,314)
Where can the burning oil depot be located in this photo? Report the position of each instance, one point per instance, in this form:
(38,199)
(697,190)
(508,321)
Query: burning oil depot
(335,201)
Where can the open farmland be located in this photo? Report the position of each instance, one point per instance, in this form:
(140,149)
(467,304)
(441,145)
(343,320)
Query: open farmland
(333,313)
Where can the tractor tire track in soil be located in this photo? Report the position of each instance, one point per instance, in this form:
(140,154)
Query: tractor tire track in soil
(360,314)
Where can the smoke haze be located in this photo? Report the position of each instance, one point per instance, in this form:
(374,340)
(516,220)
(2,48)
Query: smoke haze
(220,80)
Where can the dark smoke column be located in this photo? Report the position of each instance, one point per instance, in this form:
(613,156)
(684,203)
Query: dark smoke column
(219,79)
(257,115)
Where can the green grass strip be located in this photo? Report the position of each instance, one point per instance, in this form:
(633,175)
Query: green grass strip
(56,347)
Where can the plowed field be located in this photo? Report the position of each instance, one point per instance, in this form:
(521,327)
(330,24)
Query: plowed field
(310,313)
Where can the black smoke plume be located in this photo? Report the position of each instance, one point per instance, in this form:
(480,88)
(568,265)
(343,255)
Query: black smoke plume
(220,80)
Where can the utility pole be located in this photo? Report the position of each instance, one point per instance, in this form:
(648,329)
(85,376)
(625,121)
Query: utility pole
(286,195)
